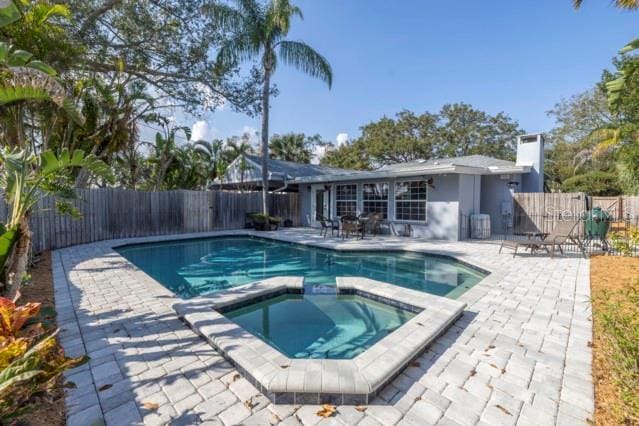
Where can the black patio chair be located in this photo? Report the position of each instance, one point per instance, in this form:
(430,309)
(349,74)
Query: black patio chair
(327,224)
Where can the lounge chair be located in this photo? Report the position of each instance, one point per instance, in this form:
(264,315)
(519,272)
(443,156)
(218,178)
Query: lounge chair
(560,235)
(327,224)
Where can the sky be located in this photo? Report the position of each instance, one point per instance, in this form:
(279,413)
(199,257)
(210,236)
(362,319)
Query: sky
(520,57)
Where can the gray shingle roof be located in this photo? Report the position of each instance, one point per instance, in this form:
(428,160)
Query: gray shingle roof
(292,170)
(468,161)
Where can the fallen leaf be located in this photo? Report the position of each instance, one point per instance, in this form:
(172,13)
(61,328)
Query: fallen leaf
(493,365)
(235,377)
(473,372)
(590,344)
(284,366)
(489,348)
(360,408)
(105,387)
(503,371)
(327,410)
(249,403)
(415,364)
(151,405)
(70,385)
(418,398)
(503,409)
(420,324)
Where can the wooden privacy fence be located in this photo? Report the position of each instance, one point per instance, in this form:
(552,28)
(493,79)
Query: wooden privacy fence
(619,208)
(119,213)
(538,212)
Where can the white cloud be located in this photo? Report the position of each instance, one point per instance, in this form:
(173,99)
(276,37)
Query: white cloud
(341,139)
(253,136)
(201,130)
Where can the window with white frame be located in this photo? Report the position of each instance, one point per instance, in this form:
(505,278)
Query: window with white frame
(375,198)
(346,200)
(410,200)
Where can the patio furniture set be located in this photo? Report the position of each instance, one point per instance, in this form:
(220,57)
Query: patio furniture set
(352,225)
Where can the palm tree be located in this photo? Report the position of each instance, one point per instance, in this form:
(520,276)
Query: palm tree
(213,155)
(290,147)
(164,152)
(259,32)
(237,148)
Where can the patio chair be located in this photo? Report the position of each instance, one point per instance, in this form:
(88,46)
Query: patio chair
(327,224)
(375,224)
(351,225)
(558,237)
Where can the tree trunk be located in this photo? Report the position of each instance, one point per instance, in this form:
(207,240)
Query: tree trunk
(265,106)
(19,259)
(82,180)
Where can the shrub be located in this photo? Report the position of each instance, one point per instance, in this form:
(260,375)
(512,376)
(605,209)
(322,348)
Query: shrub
(30,358)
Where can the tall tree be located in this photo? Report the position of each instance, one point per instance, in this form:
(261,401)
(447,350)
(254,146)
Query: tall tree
(464,130)
(458,129)
(259,32)
(167,44)
(291,147)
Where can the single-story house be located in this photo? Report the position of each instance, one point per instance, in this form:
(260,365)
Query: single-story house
(435,197)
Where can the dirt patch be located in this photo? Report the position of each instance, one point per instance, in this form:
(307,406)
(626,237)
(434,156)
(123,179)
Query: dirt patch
(615,293)
(51,409)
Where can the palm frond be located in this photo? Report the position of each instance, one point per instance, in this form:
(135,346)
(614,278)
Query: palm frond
(306,59)
(240,48)
(224,16)
(622,4)
(29,84)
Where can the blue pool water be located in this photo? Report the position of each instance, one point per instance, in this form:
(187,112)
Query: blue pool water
(324,326)
(205,266)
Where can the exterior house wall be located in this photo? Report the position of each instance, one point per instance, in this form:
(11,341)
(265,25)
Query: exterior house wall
(305,205)
(442,207)
(496,199)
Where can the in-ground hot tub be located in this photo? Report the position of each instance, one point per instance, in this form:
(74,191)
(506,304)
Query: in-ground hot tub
(321,326)
(360,341)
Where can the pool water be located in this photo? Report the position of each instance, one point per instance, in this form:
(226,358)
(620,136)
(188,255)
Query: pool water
(204,266)
(320,326)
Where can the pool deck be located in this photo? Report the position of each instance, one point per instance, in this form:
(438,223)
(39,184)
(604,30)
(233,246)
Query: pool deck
(519,355)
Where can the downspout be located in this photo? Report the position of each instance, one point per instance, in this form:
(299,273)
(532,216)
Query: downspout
(282,188)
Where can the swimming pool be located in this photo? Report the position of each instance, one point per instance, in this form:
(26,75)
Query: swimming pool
(204,266)
(320,326)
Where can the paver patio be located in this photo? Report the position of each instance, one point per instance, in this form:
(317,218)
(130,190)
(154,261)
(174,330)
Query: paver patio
(519,355)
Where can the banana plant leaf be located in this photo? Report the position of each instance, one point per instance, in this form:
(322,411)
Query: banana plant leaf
(7,240)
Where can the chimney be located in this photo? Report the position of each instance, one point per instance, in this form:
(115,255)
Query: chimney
(530,152)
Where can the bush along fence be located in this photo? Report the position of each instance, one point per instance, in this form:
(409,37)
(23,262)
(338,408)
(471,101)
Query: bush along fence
(606,224)
(119,213)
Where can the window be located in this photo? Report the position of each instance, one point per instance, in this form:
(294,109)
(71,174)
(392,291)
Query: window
(345,200)
(410,200)
(375,197)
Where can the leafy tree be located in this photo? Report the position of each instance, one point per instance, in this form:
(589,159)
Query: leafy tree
(574,144)
(348,156)
(166,44)
(291,147)
(594,183)
(458,129)
(464,130)
(407,137)
(259,32)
